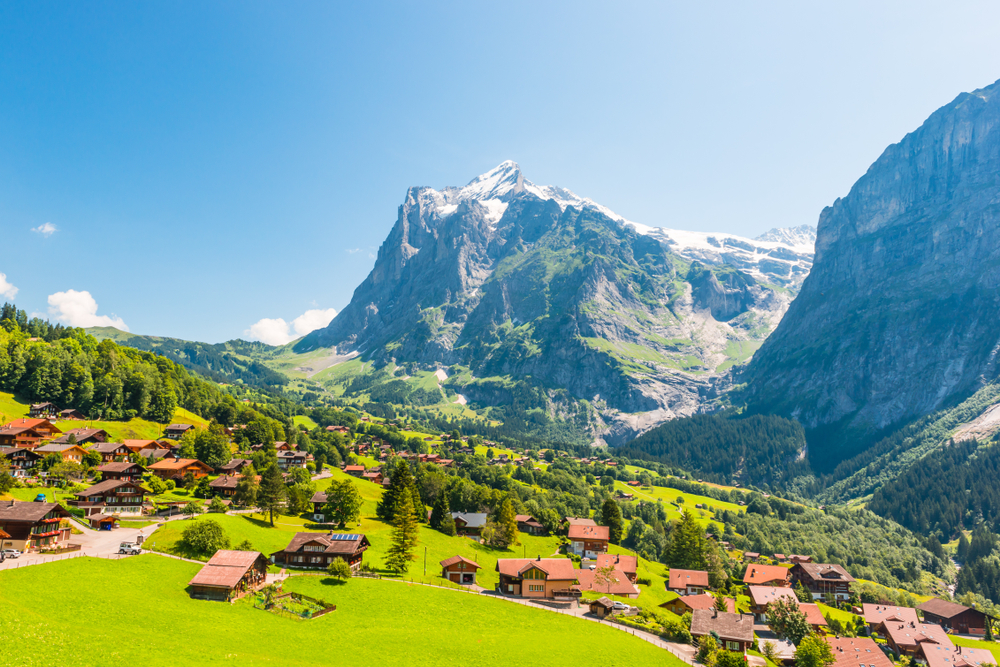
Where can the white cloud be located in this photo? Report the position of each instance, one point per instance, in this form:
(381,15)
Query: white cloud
(6,289)
(79,309)
(353,250)
(279,332)
(46,230)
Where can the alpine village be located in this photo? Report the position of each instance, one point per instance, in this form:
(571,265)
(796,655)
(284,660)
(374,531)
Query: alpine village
(538,433)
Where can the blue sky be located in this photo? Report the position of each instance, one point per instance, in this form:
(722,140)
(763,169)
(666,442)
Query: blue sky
(206,165)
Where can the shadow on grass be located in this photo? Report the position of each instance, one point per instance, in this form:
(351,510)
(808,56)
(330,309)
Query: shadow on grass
(332,581)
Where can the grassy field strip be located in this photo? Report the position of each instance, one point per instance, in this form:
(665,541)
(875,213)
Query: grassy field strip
(426,625)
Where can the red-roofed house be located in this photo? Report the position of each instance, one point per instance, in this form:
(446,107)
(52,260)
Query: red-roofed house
(538,578)
(857,652)
(766,575)
(627,564)
(460,570)
(877,614)
(761,596)
(228,574)
(957,656)
(907,638)
(588,541)
(687,582)
(617,583)
(682,605)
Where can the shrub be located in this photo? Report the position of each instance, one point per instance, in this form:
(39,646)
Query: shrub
(217,505)
(171,485)
(339,569)
(644,581)
(205,537)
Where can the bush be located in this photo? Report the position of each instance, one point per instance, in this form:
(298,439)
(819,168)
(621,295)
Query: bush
(245,545)
(171,485)
(205,537)
(644,581)
(339,569)
(217,505)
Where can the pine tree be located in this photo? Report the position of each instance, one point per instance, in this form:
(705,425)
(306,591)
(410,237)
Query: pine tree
(419,510)
(400,484)
(687,544)
(404,537)
(439,510)
(271,494)
(611,516)
(506,525)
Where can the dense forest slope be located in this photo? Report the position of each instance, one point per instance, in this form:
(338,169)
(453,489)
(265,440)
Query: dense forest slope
(898,316)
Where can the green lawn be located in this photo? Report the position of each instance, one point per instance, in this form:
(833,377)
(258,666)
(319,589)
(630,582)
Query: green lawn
(376,622)
(303,420)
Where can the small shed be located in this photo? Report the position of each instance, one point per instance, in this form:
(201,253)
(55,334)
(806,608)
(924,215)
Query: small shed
(601,607)
(460,570)
(103,521)
(229,573)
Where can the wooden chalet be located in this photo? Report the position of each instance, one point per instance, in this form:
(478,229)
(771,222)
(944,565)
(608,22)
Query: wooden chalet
(687,582)
(735,631)
(374,477)
(355,471)
(225,485)
(234,466)
(616,583)
(72,453)
(70,414)
(102,521)
(460,570)
(114,496)
(538,577)
(528,524)
(343,430)
(28,433)
(22,460)
(288,459)
(158,454)
(43,411)
(688,603)
(112,451)
(954,617)
(766,575)
(121,470)
(856,651)
(177,468)
(33,526)
(44,427)
(136,446)
(83,436)
(588,541)
(822,579)
(469,522)
(318,550)
(282,446)
(176,431)
(229,574)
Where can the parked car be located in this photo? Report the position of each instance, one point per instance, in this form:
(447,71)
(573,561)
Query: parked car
(129,548)
(11,553)
(621,606)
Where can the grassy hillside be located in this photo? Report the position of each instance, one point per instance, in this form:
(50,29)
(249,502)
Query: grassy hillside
(426,626)
(12,408)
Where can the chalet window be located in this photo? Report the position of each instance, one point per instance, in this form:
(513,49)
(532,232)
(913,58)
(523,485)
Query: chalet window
(536,588)
(732,646)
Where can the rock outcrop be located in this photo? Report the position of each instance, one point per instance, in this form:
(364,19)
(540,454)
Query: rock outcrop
(899,314)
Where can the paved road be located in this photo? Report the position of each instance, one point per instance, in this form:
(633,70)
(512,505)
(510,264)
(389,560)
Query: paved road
(92,543)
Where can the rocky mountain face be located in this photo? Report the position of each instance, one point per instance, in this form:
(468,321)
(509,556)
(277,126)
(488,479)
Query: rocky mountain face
(898,316)
(508,282)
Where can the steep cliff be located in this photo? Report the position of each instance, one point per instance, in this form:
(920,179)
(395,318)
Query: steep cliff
(533,284)
(898,316)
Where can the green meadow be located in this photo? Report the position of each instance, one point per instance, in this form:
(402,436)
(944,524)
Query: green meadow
(93,612)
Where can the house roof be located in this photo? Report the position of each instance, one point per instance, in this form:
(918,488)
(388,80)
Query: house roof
(942,608)
(814,615)
(729,627)
(225,569)
(335,543)
(912,634)
(107,485)
(176,464)
(762,574)
(684,578)
(32,422)
(556,569)
(454,560)
(602,602)
(855,651)
(354,468)
(108,447)
(825,571)
(471,519)
(878,613)
(958,656)
(764,595)
(318,497)
(138,444)
(225,482)
(578,521)
(625,563)
(235,463)
(81,434)
(58,449)
(118,466)
(702,601)
(179,427)
(578,532)
(620,584)
(14,510)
